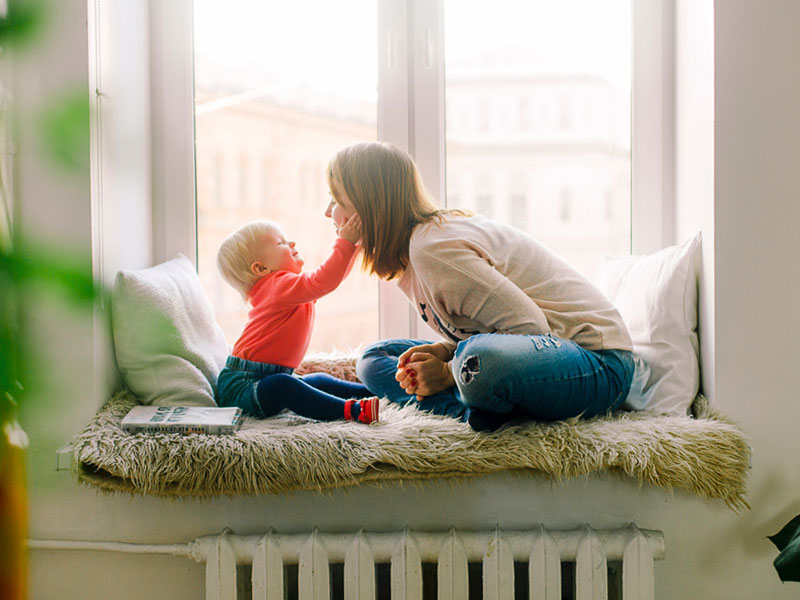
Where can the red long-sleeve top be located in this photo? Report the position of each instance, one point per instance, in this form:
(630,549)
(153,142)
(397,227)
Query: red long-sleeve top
(278,328)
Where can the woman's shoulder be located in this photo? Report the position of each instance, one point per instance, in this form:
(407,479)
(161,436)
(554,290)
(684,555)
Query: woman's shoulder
(447,225)
(455,235)
(464,229)
(434,233)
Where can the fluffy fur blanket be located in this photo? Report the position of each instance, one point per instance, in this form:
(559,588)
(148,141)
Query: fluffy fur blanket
(704,454)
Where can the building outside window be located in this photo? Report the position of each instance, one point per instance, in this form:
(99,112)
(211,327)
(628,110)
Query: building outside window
(518,210)
(484,205)
(566,54)
(259,97)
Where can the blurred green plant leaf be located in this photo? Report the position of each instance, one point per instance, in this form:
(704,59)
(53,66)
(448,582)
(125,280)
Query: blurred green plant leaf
(22,267)
(64,129)
(787,540)
(56,268)
(10,386)
(22,22)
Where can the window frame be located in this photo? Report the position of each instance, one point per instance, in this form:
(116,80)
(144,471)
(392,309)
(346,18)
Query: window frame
(411,116)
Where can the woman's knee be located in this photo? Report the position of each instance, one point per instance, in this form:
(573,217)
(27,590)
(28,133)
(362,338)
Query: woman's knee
(470,358)
(380,357)
(372,362)
(491,369)
(473,373)
(367,363)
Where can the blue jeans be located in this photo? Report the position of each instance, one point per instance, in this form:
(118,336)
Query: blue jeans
(539,377)
(263,390)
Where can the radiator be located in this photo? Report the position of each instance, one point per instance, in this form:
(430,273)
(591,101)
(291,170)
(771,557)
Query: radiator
(499,554)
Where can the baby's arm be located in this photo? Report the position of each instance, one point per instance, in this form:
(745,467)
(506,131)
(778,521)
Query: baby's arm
(307,287)
(350,231)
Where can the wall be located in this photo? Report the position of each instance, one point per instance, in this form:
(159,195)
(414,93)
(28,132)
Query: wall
(737,180)
(757,274)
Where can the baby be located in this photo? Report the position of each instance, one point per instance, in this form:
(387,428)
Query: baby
(266,269)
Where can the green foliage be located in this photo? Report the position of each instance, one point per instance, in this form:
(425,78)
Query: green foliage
(64,130)
(787,540)
(23,266)
(23,20)
(27,267)
(51,266)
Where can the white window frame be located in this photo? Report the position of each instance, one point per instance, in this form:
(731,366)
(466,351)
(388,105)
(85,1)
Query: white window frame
(411,116)
(653,126)
(172,121)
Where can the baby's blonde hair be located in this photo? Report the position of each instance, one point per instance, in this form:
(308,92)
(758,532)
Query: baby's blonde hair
(237,253)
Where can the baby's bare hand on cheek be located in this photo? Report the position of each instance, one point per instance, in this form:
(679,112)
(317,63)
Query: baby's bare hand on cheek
(351,229)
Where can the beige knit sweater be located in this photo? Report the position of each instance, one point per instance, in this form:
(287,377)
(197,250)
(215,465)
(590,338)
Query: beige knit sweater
(473,275)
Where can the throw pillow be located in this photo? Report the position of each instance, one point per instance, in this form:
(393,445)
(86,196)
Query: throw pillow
(168,345)
(657,297)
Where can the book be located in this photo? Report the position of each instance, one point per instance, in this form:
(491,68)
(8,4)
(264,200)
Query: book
(182,419)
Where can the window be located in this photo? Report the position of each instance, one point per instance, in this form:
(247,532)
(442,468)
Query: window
(573,57)
(518,210)
(564,113)
(484,205)
(216,186)
(411,85)
(609,212)
(523,114)
(279,113)
(243,182)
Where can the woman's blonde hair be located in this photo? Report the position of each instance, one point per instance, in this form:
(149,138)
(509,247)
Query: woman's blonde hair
(385,188)
(237,253)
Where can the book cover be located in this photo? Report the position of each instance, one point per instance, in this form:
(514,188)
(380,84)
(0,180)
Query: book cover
(182,419)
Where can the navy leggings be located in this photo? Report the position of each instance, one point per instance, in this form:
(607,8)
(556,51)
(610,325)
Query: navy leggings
(316,396)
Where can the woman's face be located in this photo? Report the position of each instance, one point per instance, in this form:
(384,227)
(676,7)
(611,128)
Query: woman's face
(340,210)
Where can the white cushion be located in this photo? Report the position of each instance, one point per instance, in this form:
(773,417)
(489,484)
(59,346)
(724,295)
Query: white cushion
(657,297)
(169,347)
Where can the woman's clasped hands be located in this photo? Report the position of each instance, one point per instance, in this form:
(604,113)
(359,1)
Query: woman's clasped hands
(425,370)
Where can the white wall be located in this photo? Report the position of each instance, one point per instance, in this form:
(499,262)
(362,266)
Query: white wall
(737,179)
(757,272)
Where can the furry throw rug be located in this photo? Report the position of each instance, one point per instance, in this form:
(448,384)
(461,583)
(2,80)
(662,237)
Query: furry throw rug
(703,454)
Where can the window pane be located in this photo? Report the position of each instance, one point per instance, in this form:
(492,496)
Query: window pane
(538,120)
(277,93)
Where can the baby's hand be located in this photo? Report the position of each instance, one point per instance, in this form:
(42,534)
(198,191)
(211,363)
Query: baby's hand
(351,229)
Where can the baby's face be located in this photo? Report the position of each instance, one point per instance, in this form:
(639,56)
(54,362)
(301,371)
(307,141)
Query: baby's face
(276,253)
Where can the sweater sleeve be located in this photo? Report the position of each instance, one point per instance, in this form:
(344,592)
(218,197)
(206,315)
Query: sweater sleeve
(462,282)
(299,288)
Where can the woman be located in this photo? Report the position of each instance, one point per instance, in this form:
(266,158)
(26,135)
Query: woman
(525,335)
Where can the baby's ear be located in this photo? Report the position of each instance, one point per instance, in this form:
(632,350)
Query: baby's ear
(258,268)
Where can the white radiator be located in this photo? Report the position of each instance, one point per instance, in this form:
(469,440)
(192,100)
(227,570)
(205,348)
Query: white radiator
(452,552)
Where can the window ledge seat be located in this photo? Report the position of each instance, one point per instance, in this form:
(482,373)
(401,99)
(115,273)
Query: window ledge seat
(703,454)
